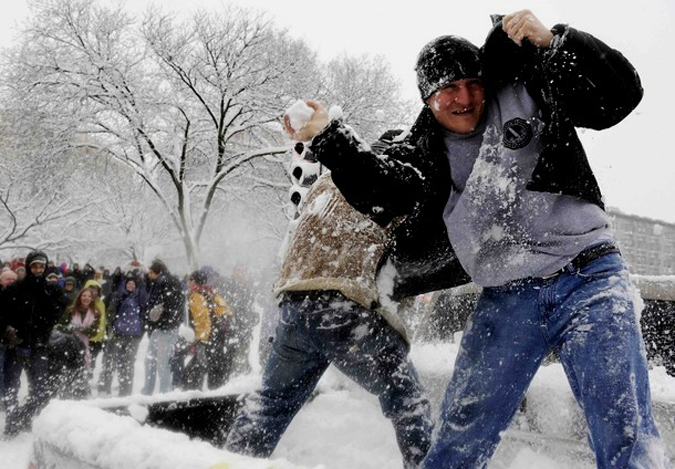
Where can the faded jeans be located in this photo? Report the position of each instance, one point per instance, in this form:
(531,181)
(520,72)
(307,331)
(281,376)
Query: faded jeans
(160,349)
(327,328)
(590,316)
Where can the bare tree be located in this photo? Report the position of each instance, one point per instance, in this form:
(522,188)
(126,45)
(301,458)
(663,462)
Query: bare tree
(41,203)
(129,223)
(188,107)
(368,93)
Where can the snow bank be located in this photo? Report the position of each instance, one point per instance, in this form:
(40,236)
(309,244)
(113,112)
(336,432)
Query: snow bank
(655,287)
(105,440)
(341,427)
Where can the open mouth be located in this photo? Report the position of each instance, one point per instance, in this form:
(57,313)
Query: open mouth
(463,112)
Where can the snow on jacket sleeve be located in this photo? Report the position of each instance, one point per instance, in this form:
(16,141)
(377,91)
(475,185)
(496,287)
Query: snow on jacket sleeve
(380,186)
(598,84)
(579,76)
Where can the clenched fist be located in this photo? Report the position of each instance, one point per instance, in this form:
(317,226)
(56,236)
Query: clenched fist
(524,25)
(317,122)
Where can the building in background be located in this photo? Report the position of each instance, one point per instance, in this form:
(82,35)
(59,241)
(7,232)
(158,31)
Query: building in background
(648,245)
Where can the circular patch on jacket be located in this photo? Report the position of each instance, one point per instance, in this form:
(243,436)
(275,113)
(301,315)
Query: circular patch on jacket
(517,133)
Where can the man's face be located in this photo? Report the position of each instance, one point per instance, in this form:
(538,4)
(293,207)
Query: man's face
(68,287)
(76,266)
(459,106)
(152,275)
(37,269)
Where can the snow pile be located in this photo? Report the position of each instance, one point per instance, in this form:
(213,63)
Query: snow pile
(341,427)
(655,287)
(106,440)
(662,385)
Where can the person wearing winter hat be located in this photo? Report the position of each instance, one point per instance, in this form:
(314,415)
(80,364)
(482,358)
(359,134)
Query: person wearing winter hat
(450,65)
(496,187)
(34,307)
(70,288)
(52,275)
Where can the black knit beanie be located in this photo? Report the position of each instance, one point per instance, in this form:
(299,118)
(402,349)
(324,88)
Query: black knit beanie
(444,60)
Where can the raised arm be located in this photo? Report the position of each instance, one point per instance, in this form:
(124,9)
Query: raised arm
(381,186)
(593,85)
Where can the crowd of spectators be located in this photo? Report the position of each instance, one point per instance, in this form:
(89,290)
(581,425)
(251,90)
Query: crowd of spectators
(59,322)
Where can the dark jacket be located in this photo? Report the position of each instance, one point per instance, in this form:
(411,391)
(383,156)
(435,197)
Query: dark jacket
(166,290)
(578,82)
(4,313)
(126,313)
(34,307)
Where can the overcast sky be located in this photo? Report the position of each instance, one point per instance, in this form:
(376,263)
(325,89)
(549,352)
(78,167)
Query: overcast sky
(634,161)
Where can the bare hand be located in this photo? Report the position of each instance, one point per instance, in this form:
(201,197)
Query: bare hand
(318,121)
(523,24)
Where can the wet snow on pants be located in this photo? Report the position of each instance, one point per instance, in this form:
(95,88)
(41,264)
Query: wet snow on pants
(314,332)
(589,315)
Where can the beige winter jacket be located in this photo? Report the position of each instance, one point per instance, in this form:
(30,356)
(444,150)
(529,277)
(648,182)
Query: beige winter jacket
(335,247)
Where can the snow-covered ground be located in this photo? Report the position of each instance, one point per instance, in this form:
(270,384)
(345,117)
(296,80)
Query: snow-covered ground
(341,428)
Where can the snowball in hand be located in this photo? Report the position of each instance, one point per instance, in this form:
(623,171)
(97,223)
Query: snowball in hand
(299,114)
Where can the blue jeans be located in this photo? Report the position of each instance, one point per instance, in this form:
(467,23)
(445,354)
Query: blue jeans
(327,328)
(160,349)
(590,317)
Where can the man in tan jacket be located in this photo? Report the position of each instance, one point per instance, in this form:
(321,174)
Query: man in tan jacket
(332,291)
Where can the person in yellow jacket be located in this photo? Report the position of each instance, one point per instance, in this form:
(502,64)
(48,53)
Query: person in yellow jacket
(97,341)
(209,315)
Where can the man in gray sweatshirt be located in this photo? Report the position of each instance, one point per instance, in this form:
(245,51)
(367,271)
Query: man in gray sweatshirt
(494,183)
